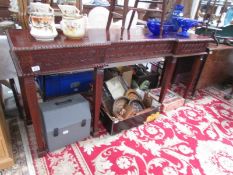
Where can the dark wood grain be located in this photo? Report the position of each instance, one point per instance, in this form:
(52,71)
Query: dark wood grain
(218,66)
(33,107)
(170,63)
(97,50)
(98,85)
(194,74)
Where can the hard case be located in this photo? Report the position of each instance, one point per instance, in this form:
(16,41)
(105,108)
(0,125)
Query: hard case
(65,120)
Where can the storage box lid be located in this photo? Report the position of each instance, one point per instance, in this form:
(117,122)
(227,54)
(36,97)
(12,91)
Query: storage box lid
(66,111)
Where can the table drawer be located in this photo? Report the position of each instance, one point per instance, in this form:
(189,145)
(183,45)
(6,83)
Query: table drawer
(54,61)
(120,52)
(190,47)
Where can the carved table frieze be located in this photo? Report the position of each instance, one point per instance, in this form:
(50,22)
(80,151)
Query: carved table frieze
(138,50)
(54,60)
(190,47)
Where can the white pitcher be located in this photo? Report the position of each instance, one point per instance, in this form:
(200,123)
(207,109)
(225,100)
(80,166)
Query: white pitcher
(73,24)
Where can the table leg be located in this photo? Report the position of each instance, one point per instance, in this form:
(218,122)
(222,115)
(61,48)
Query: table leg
(29,87)
(168,73)
(194,75)
(99,77)
(203,60)
(28,119)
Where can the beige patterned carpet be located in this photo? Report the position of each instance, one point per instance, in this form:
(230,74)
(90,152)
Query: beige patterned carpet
(21,153)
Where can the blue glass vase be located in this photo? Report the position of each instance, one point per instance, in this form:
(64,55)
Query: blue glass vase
(186,24)
(177,12)
(154,27)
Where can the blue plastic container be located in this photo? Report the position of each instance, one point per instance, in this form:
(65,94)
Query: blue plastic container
(64,84)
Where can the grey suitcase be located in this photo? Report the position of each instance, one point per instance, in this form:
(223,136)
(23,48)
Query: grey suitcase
(66,120)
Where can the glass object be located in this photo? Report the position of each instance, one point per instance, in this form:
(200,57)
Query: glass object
(186,24)
(177,12)
(154,27)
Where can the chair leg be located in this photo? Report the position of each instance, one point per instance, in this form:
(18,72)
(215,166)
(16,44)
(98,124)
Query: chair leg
(1,98)
(110,16)
(125,10)
(5,83)
(133,14)
(16,97)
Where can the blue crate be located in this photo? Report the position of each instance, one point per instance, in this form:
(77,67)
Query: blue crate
(64,84)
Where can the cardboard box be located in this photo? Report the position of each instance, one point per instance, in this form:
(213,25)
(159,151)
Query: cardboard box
(127,74)
(172,100)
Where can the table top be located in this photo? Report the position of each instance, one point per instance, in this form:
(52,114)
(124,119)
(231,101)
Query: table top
(99,48)
(22,40)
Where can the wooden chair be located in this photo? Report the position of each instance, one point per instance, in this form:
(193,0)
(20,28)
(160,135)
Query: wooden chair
(126,8)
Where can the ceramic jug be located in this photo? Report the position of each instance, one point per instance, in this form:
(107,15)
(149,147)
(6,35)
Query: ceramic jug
(73,24)
(41,21)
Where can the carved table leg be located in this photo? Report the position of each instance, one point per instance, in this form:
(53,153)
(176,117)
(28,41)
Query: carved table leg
(28,119)
(33,107)
(194,75)
(99,76)
(169,70)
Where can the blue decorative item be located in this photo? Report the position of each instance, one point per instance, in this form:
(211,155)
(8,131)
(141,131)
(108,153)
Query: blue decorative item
(177,12)
(154,27)
(186,24)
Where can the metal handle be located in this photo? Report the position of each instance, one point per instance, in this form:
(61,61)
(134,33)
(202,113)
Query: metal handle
(83,123)
(55,132)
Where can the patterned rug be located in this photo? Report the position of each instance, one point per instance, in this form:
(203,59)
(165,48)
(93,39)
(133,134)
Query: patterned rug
(194,139)
(21,153)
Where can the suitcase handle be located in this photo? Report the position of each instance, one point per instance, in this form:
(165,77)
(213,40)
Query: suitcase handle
(55,132)
(63,102)
(83,123)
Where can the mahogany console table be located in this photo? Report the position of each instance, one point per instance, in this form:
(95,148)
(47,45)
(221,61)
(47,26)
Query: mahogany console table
(97,50)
